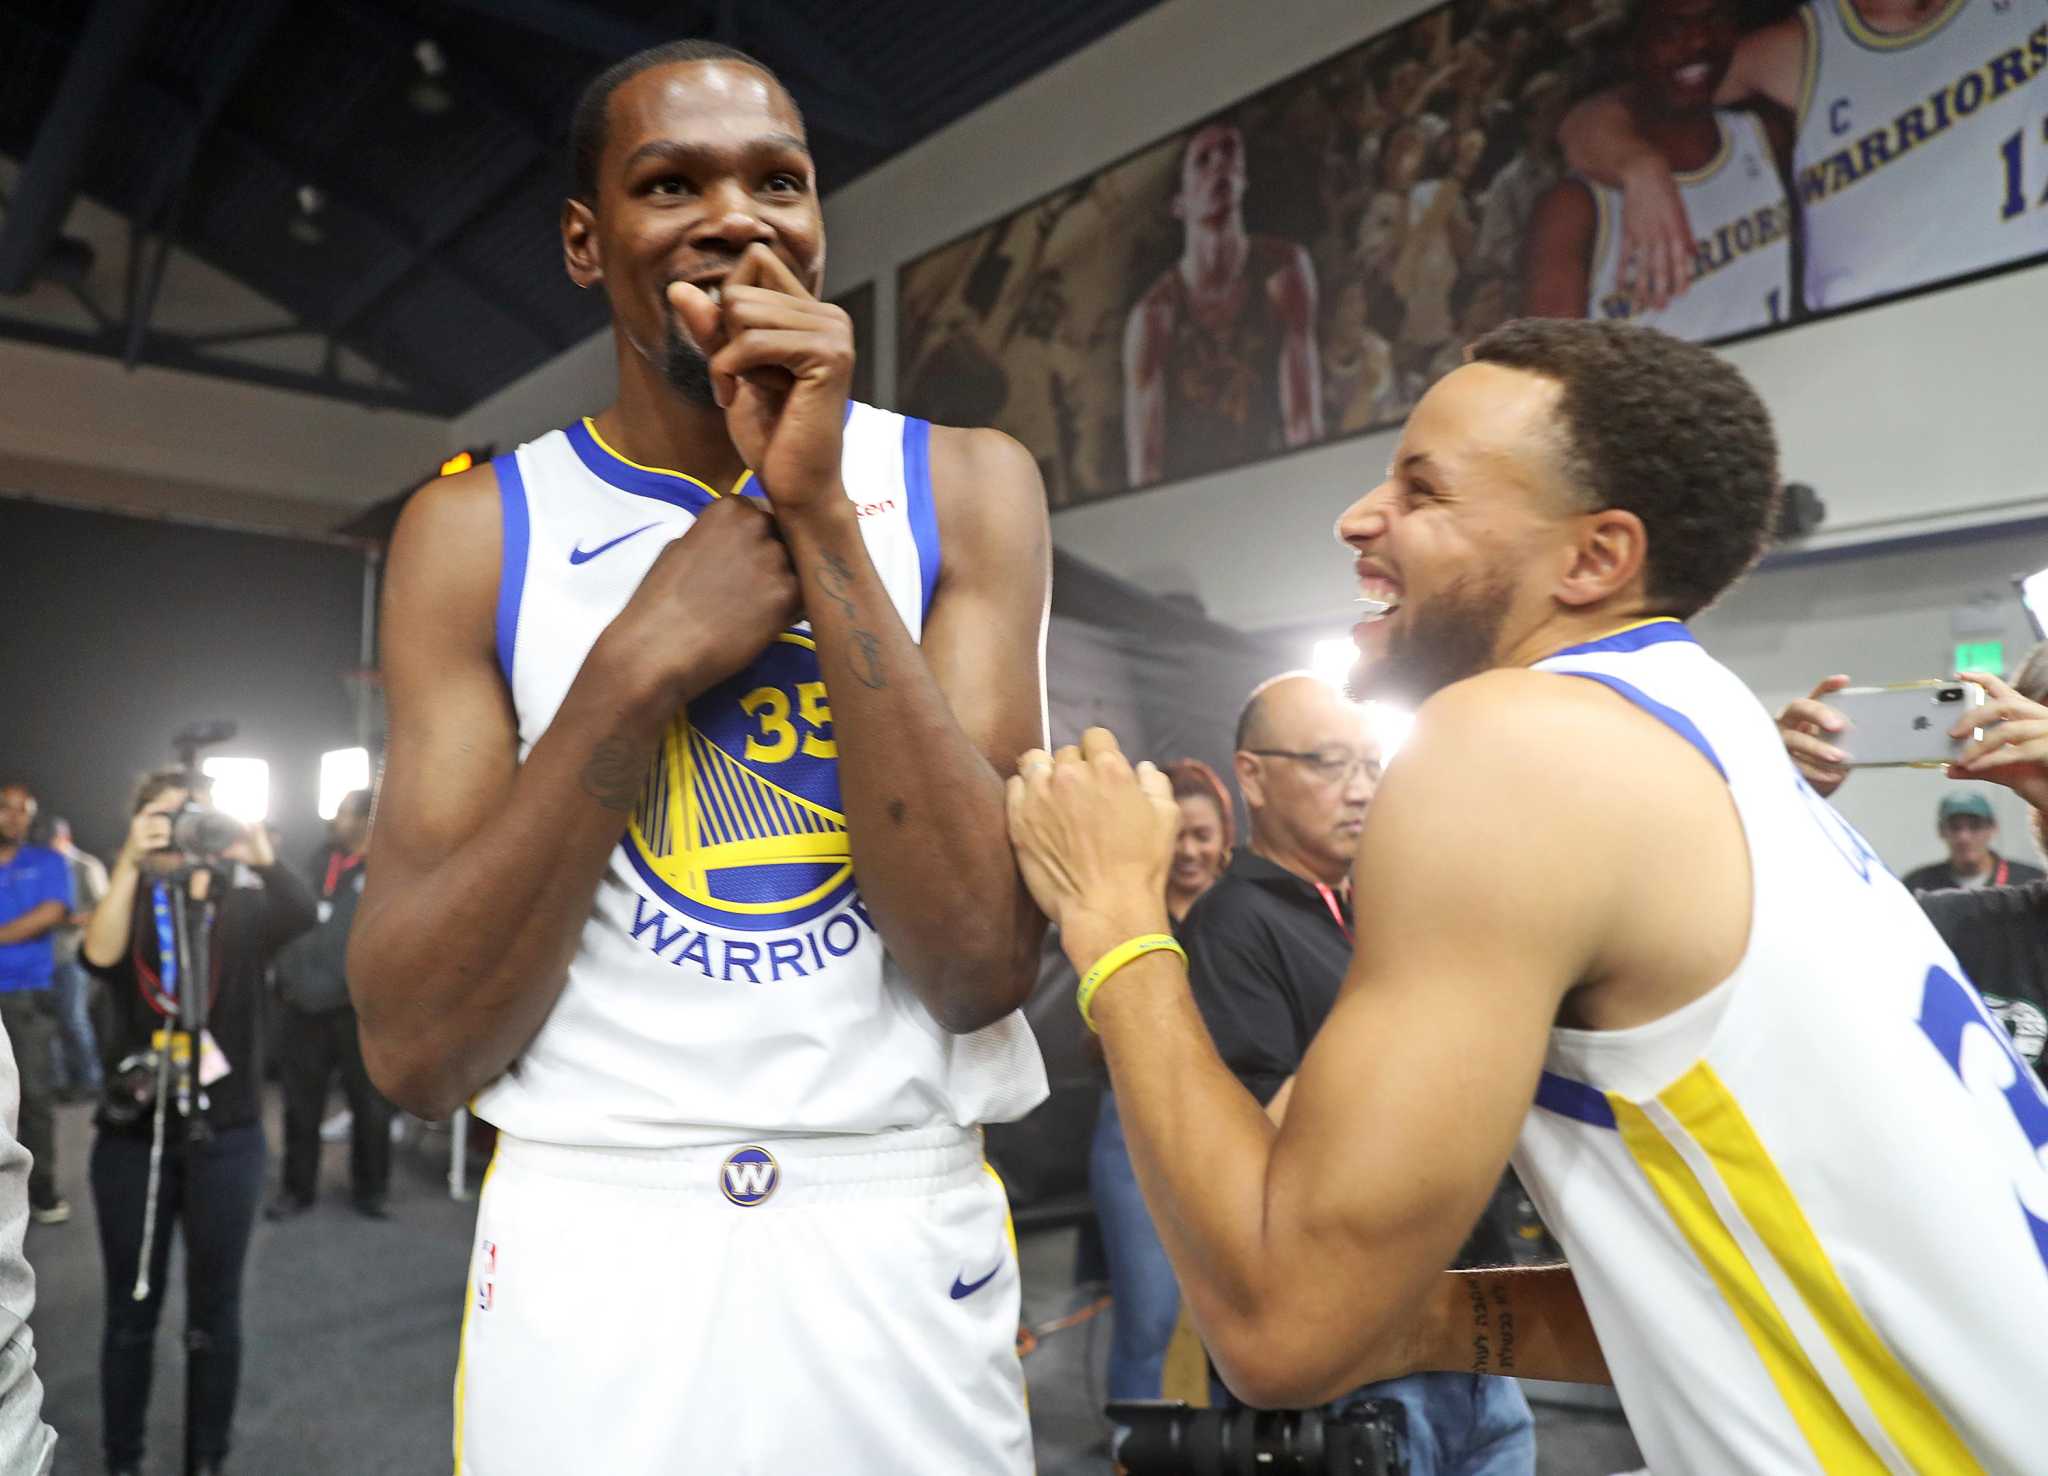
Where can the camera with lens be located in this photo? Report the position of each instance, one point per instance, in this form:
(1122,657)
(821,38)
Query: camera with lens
(1170,1438)
(199,831)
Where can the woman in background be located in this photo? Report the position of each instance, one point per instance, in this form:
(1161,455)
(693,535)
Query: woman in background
(1147,1299)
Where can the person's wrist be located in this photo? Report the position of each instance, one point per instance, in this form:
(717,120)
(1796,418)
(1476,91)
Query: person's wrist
(825,516)
(1088,935)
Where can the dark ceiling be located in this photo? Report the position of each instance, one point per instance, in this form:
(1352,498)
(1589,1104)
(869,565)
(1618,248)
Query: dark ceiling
(436,258)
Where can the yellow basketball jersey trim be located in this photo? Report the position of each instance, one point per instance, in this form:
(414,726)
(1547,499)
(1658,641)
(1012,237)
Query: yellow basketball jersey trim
(1722,154)
(469,1306)
(1836,1442)
(1809,65)
(1707,1110)
(605,446)
(1863,34)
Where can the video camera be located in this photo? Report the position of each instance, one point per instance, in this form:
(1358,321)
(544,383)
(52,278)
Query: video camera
(199,831)
(1171,1438)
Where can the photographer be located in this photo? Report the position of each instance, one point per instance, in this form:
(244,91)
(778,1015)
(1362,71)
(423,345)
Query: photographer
(212,1173)
(1999,933)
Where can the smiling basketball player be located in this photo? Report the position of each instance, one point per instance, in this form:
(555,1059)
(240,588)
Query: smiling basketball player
(691,852)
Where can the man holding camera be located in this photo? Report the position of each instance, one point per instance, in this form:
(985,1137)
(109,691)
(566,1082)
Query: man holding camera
(35,900)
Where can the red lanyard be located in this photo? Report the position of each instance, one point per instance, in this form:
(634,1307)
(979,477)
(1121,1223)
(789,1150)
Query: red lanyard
(2004,871)
(1336,911)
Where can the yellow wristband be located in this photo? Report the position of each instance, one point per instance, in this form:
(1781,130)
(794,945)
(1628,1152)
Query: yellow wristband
(1115,959)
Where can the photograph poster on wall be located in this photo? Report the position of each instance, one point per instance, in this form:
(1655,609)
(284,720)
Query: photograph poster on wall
(1302,265)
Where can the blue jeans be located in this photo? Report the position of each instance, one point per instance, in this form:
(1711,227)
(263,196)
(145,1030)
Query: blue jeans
(75,1052)
(1460,1424)
(1140,1277)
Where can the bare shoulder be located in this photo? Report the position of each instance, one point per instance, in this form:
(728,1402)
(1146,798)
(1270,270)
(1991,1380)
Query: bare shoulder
(1535,741)
(986,484)
(442,574)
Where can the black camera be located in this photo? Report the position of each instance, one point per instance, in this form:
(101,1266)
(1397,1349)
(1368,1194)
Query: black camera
(199,830)
(1170,1438)
(1949,694)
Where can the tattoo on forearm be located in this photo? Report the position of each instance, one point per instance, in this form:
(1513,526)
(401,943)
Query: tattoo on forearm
(614,774)
(836,579)
(1493,1328)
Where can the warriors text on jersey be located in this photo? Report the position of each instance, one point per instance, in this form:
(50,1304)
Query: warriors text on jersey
(728,984)
(1921,154)
(1742,254)
(1808,1211)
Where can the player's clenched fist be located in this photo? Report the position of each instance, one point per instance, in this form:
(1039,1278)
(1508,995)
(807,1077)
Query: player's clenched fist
(1094,836)
(712,599)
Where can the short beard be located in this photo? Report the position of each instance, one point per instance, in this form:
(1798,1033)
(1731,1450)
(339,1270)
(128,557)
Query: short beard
(1445,639)
(683,365)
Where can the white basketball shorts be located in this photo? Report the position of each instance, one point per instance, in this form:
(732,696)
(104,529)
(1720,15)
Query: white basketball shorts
(816,1305)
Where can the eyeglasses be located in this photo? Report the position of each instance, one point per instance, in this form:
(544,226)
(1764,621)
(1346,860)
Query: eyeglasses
(1330,766)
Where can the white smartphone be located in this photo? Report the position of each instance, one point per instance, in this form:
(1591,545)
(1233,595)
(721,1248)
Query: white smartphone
(1905,724)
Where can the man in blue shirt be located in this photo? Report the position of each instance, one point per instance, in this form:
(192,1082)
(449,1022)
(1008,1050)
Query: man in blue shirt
(35,899)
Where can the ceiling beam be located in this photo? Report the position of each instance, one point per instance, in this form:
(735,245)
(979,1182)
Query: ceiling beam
(826,108)
(169,351)
(102,60)
(825,74)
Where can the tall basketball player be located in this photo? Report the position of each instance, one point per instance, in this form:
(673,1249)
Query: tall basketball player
(1921,150)
(1728,166)
(1797,1167)
(691,863)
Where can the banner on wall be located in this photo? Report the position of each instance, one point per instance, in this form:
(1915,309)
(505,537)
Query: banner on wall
(1303,265)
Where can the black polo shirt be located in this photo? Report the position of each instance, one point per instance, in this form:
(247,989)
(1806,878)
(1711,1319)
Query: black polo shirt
(1266,957)
(2000,937)
(1941,877)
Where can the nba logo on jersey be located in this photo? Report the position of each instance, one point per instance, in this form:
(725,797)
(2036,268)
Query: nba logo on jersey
(739,823)
(748,1176)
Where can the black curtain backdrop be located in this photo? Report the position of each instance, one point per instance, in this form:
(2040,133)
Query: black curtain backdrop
(120,630)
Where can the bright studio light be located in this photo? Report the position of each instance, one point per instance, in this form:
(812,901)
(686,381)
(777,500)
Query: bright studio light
(1331,660)
(342,771)
(1390,726)
(241,787)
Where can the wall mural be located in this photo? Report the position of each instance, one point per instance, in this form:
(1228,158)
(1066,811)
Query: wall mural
(1303,265)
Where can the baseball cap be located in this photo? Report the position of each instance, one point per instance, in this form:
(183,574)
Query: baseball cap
(1965,802)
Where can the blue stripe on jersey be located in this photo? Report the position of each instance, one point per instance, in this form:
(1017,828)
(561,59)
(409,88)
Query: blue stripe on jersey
(511,557)
(1671,717)
(667,487)
(1568,1098)
(1635,638)
(924,514)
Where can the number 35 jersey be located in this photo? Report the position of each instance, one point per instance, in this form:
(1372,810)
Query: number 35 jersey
(729,984)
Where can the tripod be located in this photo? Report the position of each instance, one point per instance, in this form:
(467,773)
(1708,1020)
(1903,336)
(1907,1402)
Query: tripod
(184,1000)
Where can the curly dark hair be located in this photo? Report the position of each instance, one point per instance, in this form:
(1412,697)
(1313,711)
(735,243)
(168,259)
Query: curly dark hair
(1663,429)
(587,126)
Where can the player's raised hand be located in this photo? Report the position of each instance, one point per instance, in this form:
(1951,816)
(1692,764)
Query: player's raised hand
(2014,748)
(1094,838)
(781,365)
(1806,726)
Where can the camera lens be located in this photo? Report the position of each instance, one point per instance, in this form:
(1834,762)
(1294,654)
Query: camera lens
(1950,694)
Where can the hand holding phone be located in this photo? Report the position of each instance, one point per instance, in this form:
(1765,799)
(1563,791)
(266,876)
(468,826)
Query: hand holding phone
(1910,724)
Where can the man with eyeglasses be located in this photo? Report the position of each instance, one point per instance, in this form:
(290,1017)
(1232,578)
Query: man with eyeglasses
(1268,947)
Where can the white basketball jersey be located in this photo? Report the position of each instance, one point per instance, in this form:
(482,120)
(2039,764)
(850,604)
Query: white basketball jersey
(1921,155)
(1809,1210)
(728,984)
(1742,253)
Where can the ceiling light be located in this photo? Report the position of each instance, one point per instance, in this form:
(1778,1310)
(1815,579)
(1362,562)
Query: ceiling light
(428,94)
(304,226)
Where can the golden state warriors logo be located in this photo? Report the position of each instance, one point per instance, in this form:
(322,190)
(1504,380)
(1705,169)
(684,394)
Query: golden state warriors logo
(739,823)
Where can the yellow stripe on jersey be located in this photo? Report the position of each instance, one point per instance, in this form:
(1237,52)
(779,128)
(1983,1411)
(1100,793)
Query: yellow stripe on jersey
(1708,1111)
(1868,36)
(590,425)
(468,1306)
(1009,1221)
(1837,1444)
(1809,65)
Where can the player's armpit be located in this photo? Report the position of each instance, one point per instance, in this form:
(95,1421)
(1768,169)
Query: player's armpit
(1409,1101)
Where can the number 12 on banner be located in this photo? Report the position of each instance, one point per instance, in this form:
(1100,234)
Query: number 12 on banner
(2013,151)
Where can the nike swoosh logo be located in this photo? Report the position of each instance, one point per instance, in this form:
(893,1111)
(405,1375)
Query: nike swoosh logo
(581,555)
(969,1288)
